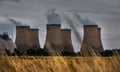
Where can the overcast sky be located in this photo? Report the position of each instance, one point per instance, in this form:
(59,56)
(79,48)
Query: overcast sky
(105,13)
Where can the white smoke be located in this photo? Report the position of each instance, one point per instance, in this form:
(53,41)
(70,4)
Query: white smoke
(76,36)
(52,17)
(72,25)
(85,21)
(17,23)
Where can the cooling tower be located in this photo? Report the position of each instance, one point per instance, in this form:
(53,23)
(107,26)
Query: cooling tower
(67,42)
(7,43)
(100,40)
(2,52)
(34,35)
(23,41)
(92,40)
(1,43)
(54,38)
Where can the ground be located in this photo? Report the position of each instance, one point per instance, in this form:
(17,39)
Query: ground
(59,64)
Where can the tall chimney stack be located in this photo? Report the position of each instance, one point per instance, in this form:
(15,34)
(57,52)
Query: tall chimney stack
(67,42)
(54,39)
(92,40)
(34,36)
(23,41)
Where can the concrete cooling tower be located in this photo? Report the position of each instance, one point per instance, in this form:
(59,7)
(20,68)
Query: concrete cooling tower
(54,38)
(0,43)
(6,44)
(2,50)
(23,41)
(92,40)
(67,42)
(9,45)
(34,36)
(100,40)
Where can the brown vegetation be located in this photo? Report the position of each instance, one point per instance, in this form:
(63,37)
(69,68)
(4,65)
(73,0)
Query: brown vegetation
(59,64)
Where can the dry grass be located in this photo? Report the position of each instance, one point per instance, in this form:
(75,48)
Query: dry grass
(59,64)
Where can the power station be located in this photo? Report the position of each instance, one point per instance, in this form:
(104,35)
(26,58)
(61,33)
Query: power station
(67,41)
(92,40)
(6,44)
(100,40)
(34,37)
(23,41)
(2,50)
(27,38)
(53,39)
(57,40)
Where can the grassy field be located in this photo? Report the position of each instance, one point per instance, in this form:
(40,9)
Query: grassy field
(59,64)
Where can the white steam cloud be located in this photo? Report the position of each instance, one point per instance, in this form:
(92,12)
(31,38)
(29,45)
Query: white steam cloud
(72,25)
(17,23)
(85,21)
(52,17)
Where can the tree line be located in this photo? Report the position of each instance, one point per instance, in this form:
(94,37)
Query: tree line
(43,52)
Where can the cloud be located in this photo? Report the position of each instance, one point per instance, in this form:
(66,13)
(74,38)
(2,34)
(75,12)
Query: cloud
(11,0)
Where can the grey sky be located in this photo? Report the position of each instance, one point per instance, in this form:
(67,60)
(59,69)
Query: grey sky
(106,13)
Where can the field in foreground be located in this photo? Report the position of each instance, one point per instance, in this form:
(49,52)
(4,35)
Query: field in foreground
(59,64)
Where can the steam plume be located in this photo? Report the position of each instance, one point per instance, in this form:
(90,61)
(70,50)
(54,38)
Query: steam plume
(83,21)
(71,24)
(17,23)
(52,17)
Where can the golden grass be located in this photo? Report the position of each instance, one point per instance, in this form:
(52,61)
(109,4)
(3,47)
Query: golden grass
(59,64)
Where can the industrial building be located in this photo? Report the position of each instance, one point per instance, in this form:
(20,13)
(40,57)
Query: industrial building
(100,40)
(34,37)
(92,40)
(2,50)
(6,43)
(23,41)
(54,39)
(67,41)
(58,40)
(27,38)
